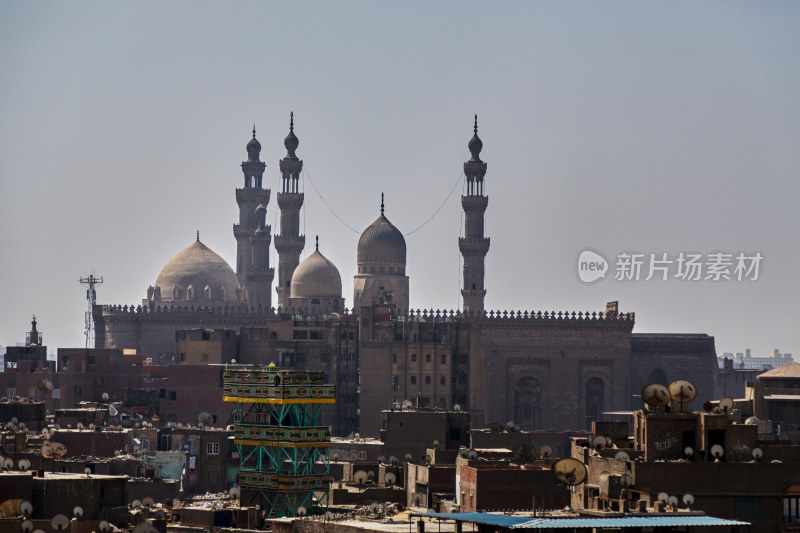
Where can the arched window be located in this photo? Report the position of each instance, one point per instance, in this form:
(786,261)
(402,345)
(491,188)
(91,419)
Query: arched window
(527,403)
(595,394)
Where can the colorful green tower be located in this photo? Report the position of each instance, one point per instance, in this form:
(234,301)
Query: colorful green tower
(283,464)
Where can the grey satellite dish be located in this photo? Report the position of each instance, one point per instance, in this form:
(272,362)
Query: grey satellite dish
(45,385)
(301,511)
(381,459)
(27,526)
(472,454)
(626,480)
(393,460)
(374,507)
(599,442)
(26,508)
(673,501)
(79,425)
(688,451)
(104,526)
(59,522)
(758,453)
(105,396)
(546,450)
(77,511)
(234,492)
(510,425)
(436,445)
(329,516)
(408,457)
(136,504)
(147,502)
(87,471)
(360,477)
(663,497)
(205,418)
(457,407)
(622,456)
(688,500)
(8,463)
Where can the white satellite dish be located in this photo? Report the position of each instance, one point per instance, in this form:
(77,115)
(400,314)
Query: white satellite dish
(390,478)
(408,457)
(457,407)
(234,492)
(24,464)
(329,516)
(546,450)
(717,451)
(105,396)
(59,522)
(688,451)
(758,453)
(673,501)
(26,508)
(726,404)
(663,497)
(394,460)
(136,504)
(688,500)
(77,511)
(27,526)
(301,511)
(374,507)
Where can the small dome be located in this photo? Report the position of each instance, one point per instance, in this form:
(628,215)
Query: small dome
(383,243)
(475,144)
(316,277)
(291,142)
(198,267)
(253,148)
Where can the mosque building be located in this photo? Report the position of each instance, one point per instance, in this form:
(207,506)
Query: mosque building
(542,370)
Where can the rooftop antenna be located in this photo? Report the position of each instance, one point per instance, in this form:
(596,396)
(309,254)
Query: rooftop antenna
(90,282)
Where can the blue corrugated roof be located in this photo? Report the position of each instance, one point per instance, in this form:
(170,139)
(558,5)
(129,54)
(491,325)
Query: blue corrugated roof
(526,522)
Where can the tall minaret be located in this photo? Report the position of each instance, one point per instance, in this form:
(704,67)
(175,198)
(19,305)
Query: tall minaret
(289,243)
(259,274)
(249,198)
(474,245)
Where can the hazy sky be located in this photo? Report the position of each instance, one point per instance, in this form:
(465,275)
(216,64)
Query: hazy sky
(616,126)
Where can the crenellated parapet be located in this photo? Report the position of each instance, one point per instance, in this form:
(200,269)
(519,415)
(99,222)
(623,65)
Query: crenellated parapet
(496,316)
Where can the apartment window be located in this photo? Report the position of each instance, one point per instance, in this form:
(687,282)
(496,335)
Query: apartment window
(791,508)
(362,456)
(205,357)
(166,443)
(427,358)
(413,357)
(12,392)
(213,477)
(441,380)
(394,358)
(413,380)
(444,359)
(56,393)
(427,380)
(173,395)
(92,359)
(750,509)
(145,445)
(212,448)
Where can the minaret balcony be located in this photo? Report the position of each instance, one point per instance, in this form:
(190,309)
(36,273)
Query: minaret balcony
(473,245)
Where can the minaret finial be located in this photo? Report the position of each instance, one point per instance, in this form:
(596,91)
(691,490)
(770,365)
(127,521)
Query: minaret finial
(381,203)
(198,235)
(318,243)
(254,130)
(476,124)
(291,121)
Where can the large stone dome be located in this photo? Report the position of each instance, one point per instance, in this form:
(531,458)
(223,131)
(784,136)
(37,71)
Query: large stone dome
(382,244)
(316,277)
(200,269)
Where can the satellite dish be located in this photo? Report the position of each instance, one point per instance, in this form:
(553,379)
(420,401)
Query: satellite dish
(510,425)
(673,501)
(655,395)
(622,456)
(329,516)
(688,500)
(390,478)
(14,420)
(436,445)
(360,477)
(79,425)
(112,410)
(408,457)
(663,497)
(751,421)
(407,405)
(234,492)
(599,442)
(147,502)
(91,426)
(301,511)
(758,453)
(160,514)
(8,463)
(394,460)
(457,407)
(136,504)
(569,471)
(682,391)
(726,404)
(26,508)
(205,418)
(381,459)
(24,464)
(472,454)
(77,511)
(104,526)
(546,450)
(45,385)
(105,396)
(708,406)
(87,471)
(626,480)
(59,522)
(717,451)
(27,526)
(374,507)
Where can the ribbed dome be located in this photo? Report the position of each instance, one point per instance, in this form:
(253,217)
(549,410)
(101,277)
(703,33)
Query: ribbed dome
(382,243)
(316,277)
(199,267)
(253,148)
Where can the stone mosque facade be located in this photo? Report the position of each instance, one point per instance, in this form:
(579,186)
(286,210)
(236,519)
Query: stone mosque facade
(543,370)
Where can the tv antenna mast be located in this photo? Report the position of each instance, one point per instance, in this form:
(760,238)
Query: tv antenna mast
(90,282)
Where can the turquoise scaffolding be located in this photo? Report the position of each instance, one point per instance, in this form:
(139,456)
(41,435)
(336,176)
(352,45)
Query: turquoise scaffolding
(282,448)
